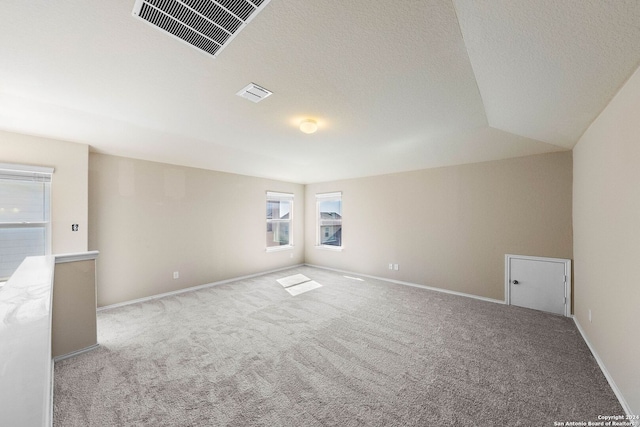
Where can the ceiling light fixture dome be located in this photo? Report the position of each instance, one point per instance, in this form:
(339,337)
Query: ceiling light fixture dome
(308,126)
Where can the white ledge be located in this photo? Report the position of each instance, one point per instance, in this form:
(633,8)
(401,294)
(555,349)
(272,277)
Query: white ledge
(280,248)
(25,350)
(329,248)
(77,256)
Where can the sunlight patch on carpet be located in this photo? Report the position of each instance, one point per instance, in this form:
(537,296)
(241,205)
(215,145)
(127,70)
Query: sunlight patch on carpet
(296,279)
(298,284)
(303,287)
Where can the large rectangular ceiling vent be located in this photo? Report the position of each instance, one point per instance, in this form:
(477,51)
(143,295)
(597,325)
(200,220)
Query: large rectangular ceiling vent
(208,25)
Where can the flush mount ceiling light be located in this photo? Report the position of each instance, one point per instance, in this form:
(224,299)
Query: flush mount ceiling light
(308,126)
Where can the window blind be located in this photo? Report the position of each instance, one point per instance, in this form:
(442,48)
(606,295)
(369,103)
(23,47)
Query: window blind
(24,214)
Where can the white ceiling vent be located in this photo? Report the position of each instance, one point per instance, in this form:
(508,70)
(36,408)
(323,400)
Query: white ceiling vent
(254,93)
(208,25)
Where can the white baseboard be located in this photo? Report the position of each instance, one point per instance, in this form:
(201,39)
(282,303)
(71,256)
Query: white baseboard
(604,370)
(415,285)
(192,288)
(612,383)
(75,353)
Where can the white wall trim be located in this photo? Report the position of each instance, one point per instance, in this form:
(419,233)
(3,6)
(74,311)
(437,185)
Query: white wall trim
(414,285)
(77,256)
(49,420)
(603,368)
(610,380)
(192,288)
(75,353)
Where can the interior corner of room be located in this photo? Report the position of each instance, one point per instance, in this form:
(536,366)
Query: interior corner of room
(162,227)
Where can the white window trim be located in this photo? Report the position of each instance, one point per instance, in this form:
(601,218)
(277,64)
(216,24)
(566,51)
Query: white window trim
(279,248)
(284,196)
(9,170)
(322,197)
(289,197)
(334,195)
(330,248)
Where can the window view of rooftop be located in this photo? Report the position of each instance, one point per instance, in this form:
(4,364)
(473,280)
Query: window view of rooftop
(330,222)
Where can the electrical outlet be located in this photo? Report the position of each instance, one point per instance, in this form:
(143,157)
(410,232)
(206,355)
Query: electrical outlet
(176,274)
(589,315)
(395,267)
(390,266)
(74,227)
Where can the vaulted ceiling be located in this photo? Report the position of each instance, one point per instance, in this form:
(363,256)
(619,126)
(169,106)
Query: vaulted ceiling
(394,86)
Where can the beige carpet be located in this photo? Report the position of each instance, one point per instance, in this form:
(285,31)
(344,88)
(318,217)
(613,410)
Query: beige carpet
(351,353)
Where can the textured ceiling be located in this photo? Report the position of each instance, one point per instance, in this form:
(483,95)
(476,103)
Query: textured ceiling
(395,86)
(546,68)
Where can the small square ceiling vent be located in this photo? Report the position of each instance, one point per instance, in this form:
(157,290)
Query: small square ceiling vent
(254,93)
(208,25)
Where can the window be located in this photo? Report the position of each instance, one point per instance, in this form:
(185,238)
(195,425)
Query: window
(24,215)
(279,217)
(329,220)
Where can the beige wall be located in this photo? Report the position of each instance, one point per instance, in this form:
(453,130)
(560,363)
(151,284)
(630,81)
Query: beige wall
(150,219)
(73,323)
(606,218)
(451,227)
(69,187)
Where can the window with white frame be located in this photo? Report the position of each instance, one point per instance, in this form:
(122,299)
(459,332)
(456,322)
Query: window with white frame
(279,220)
(329,220)
(25,198)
